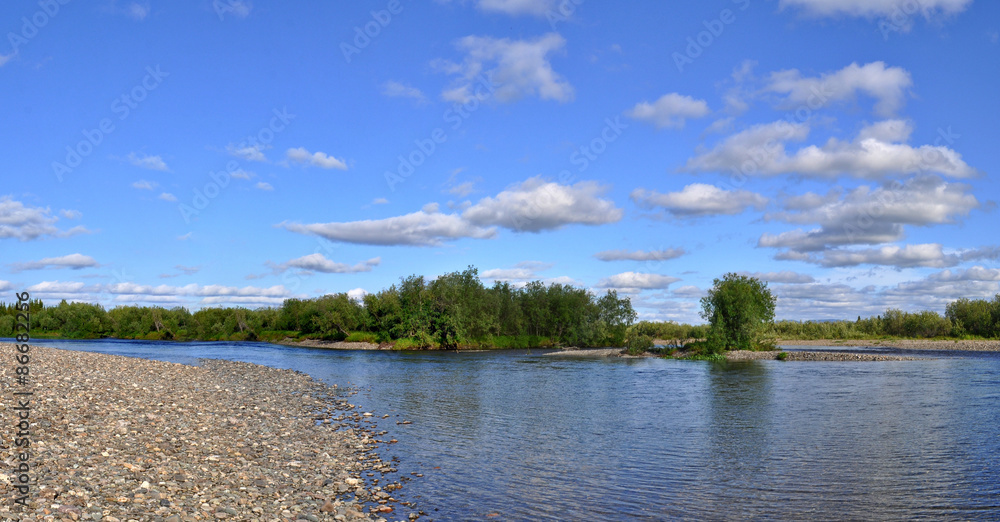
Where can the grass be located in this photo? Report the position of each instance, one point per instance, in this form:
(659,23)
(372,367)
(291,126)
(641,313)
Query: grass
(782,356)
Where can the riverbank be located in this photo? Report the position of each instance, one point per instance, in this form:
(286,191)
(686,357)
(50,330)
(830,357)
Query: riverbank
(904,344)
(745,355)
(117,438)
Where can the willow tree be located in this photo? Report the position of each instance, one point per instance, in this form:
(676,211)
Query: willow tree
(740,310)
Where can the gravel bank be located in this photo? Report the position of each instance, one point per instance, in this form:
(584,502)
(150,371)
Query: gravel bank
(905,344)
(118,439)
(746,355)
(337,345)
(591,352)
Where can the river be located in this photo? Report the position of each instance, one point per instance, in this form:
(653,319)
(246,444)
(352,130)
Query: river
(516,435)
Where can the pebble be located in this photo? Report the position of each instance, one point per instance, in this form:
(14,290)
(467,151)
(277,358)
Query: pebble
(133,439)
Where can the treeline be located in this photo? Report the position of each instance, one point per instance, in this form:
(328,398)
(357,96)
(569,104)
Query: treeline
(453,310)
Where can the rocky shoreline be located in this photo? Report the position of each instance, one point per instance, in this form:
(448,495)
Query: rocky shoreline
(119,439)
(336,345)
(746,355)
(905,344)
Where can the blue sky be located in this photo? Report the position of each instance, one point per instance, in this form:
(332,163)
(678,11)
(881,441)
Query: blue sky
(202,153)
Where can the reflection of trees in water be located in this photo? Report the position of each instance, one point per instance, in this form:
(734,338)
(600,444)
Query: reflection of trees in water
(741,424)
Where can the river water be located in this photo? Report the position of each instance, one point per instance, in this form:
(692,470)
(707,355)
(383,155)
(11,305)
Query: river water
(516,435)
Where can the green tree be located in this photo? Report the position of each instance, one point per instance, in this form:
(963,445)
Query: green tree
(740,310)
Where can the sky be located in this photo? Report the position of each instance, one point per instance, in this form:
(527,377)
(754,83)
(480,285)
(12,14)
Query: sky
(232,153)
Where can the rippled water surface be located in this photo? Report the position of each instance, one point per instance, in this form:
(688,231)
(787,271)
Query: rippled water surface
(522,436)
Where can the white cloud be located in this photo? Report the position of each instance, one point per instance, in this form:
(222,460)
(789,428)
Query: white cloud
(147,162)
(976,273)
(870,216)
(27,223)
(640,255)
(415,229)
(188,270)
(887,85)
(71,214)
(395,89)
(514,68)
(670,110)
(72,261)
(145,185)
(523,271)
(264,185)
(242,174)
(185,237)
(463,189)
(784,276)
(166,196)
(4,58)
(5,285)
(518,7)
(875,8)
(380,201)
(318,159)
(908,256)
(689,291)
(878,151)
(250,152)
(319,263)
(636,281)
(698,200)
(357,294)
(537,205)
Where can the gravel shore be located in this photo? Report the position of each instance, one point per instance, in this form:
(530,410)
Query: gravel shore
(904,344)
(746,355)
(336,345)
(119,439)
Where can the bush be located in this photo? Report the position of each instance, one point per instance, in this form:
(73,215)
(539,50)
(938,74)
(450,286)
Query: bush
(782,356)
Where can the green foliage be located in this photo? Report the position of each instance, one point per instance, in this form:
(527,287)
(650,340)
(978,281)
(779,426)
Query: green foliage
(782,356)
(740,310)
(638,343)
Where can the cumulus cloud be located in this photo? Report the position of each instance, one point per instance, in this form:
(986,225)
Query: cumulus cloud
(319,263)
(415,229)
(261,185)
(72,261)
(395,89)
(28,223)
(636,281)
(147,162)
(145,185)
(5,285)
(513,69)
(640,255)
(699,200)
(878,151)
(875,8)
(537,205)
(907,256)
(887,85)
(670,110)
(533,206)
(869,216)
(318,159)
(166,196)
(525,270)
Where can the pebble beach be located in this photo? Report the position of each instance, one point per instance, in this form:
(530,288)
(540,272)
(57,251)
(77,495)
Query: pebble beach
(118,439)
